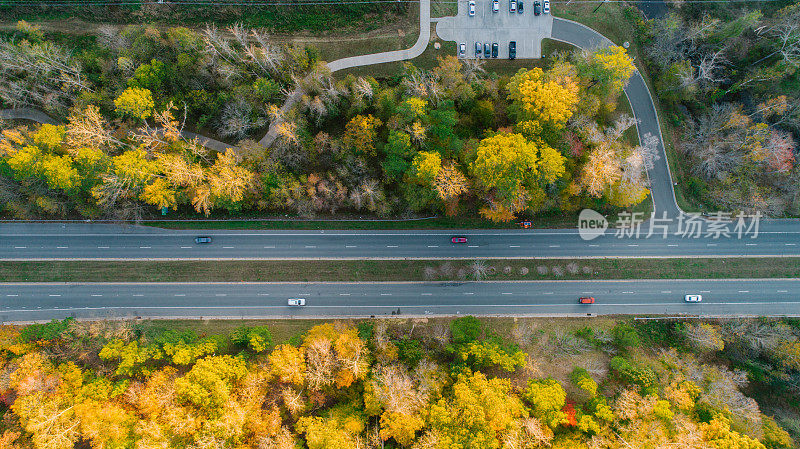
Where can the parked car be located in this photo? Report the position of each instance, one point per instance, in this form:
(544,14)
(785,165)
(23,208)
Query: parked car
(297,301)
(471,8)
(586,300)
(512,50)
(462,50)
(478,49)
(512,6)
(487,50)
(525,224)
(693,298)
(458,239)
(520,6)
(537,8)
(202,239)
(495,48)
(495,5)
(546,6)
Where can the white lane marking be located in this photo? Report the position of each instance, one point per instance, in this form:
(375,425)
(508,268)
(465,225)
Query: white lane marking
(311,246)
(433,246)
(469,293)
(221,294)
(751,244)
(144,247)
(139,294)
(386,294)
(426,294)
(555,246)
(628,293)
(53,295)
(744,291)
(705,291)
(506,293)
(790,244)
(344,294)
(62,247)
(350,246)
(269,247)
(12,295)
(263,294)
(102,247)
(392,246)
(596,246)
(666,291)
(672,245)
(185,247)
(20,247)
(472,246)
(513,246)
(711,244)
(547,293)
(783,291)
(586,293)
(632,244)
(227,247)
(97,295)
(180,294)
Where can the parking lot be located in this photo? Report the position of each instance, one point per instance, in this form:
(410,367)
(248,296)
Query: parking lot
(501,27)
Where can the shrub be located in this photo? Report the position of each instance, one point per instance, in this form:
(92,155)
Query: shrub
(466,329)
(45,332)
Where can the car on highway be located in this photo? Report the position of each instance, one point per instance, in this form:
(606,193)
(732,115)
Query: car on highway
(546,8)
(520,6)
(462,49)
(512,6)
(202,239)
(478,49)
(297,301)
(586,300)
(495,49)
(495,5)
(512,50)
(537,8)
(471,8)
(487,50)
(458,239)
(693,298)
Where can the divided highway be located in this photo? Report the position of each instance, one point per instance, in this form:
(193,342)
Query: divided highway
(29,302)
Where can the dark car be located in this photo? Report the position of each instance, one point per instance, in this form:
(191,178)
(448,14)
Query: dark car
(487,50)
(586,300)
(478,49)
(495,48)
(537,8)
(520,6)
(202,239)
(458,239)
(512,50)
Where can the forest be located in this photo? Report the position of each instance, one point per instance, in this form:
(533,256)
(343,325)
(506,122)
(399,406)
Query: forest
(727,77)
(439,383)
(451,139)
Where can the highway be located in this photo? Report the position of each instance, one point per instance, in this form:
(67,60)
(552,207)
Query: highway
(80,241)
(30,302)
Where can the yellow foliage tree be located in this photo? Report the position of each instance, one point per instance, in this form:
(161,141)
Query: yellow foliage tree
(544,97)
(135,102)
(360,133)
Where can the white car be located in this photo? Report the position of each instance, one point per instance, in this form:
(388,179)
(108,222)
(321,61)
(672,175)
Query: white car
(693,298)
(297,301)
(546,8)
(462,50)
(495,5)
(512,6)
(471,9)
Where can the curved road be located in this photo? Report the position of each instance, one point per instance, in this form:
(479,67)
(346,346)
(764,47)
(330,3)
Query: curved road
(29,302)
(643,108)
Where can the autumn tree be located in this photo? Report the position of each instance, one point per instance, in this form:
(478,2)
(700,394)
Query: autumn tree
(135,102)
(544,97)
(360,133)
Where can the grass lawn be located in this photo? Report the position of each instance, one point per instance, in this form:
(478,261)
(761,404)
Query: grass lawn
(400,270)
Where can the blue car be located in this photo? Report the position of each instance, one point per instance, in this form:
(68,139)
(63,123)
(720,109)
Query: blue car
(202,240)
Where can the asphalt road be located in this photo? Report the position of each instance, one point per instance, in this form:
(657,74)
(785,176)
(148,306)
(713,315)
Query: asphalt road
(34,302)
(643,108)
(78,241)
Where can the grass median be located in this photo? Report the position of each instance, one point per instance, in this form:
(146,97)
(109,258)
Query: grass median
(400,270)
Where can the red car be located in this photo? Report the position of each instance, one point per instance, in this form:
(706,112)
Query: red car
(458,239)
(587,300)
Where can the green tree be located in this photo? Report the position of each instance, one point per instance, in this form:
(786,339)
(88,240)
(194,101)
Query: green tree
(546,398)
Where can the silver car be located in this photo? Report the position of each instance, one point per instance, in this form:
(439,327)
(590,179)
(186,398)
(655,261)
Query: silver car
(693,298)
(297,301)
